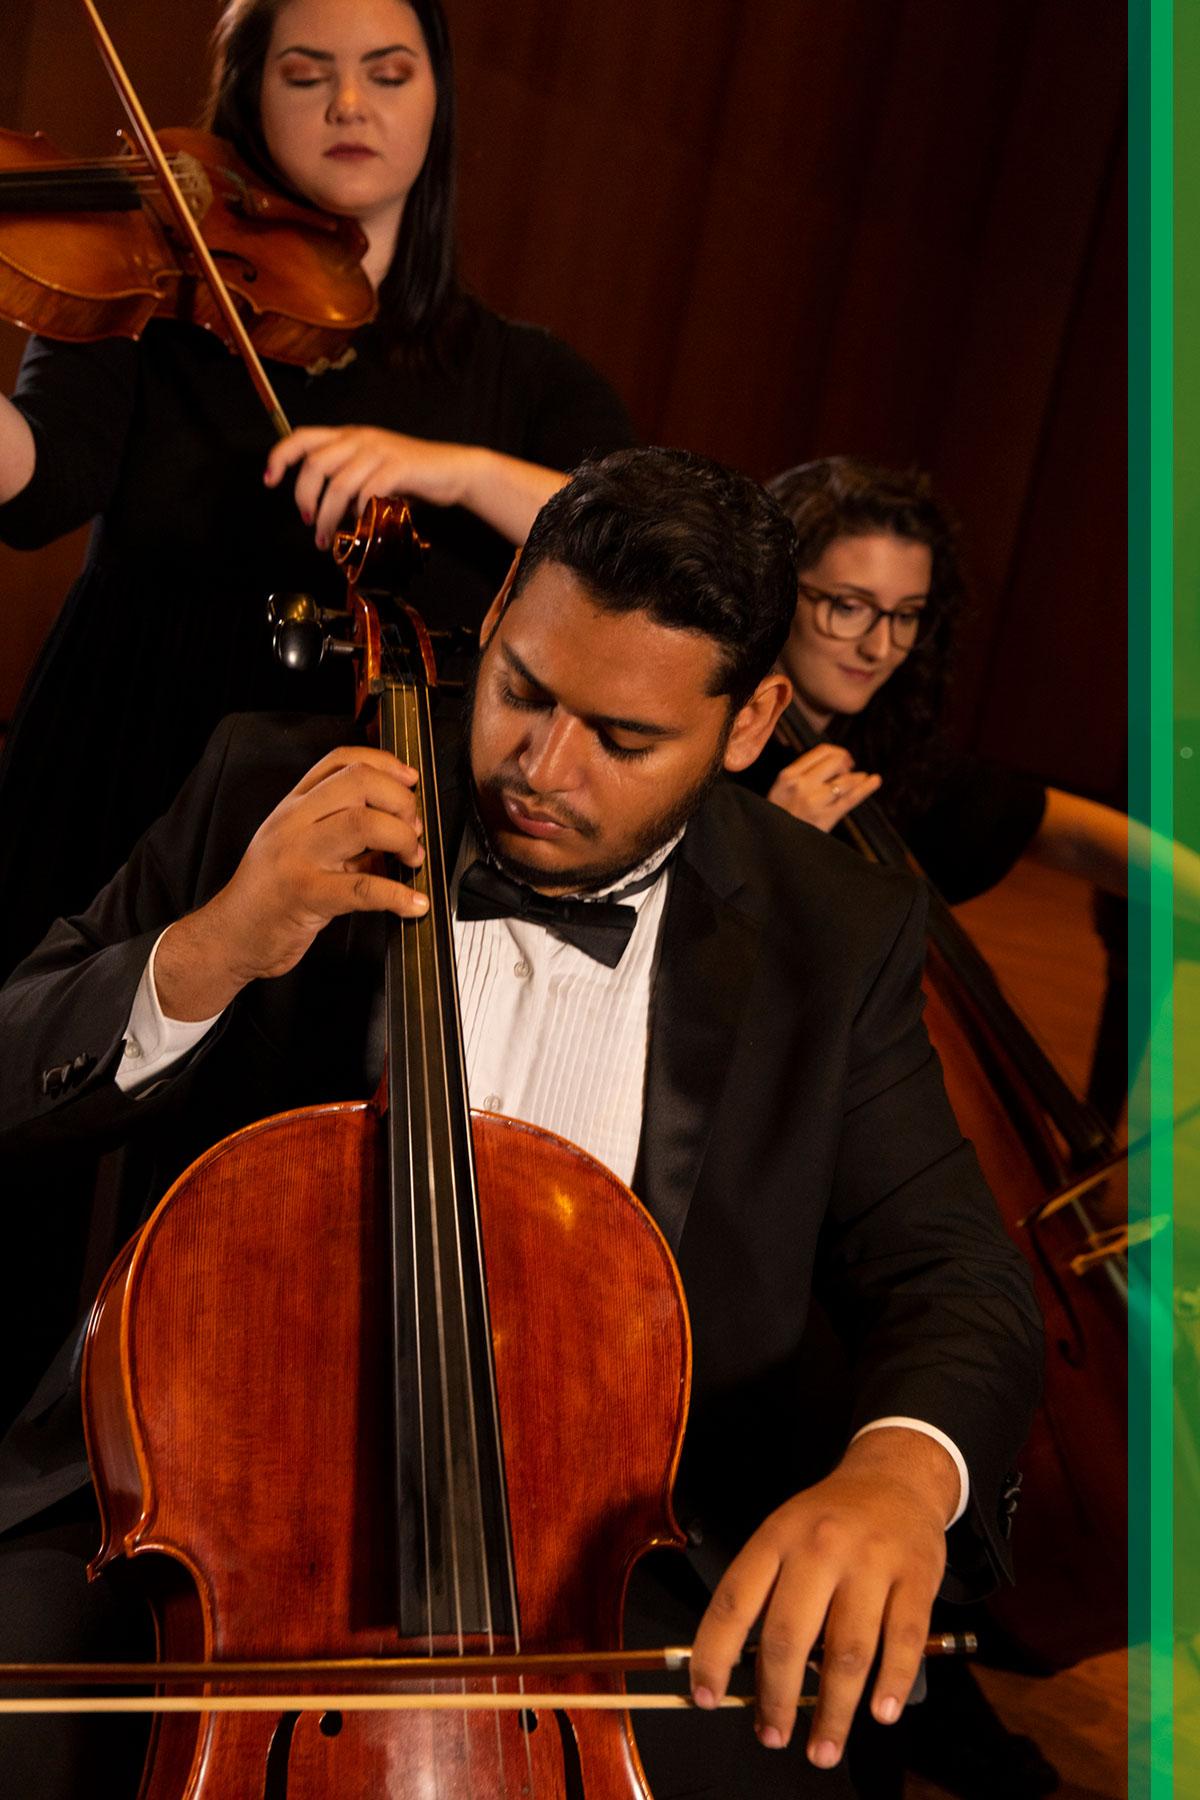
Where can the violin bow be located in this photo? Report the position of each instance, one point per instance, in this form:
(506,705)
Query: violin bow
(152,150)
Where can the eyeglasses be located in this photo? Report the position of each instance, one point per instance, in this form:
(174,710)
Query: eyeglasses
(847,617)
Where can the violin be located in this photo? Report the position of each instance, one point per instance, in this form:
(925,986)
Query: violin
(1041,1149)
(91,249)
(140,255)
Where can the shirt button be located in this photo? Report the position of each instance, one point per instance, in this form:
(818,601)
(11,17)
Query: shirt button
(492,1103)
(132,1049)
(522,969)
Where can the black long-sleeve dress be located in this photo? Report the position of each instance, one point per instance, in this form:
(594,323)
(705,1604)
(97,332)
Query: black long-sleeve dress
(163,444)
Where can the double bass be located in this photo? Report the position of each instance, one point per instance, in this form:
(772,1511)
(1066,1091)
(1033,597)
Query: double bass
(1043,1152)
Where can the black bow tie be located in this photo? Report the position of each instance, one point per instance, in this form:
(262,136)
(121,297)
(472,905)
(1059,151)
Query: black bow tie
(600,928)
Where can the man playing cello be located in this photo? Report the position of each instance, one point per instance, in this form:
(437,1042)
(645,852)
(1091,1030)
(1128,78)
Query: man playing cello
(751,1059)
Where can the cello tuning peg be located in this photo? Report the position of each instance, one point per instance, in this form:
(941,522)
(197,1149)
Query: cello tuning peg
(301,631)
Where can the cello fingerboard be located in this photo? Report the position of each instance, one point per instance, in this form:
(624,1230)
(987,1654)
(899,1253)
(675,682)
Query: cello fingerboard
(454,1556)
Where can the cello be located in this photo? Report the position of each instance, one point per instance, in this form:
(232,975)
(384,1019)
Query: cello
(460,1308)
(1042,1150)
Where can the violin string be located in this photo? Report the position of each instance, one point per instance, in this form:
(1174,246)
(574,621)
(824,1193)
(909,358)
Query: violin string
(130,169)
(70,180)
(54,185)
(446,985)
(422,929)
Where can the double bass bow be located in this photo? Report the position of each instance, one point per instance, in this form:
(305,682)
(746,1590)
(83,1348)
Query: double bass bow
(1042,1150)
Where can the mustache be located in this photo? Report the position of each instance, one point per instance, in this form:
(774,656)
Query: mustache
(512,785)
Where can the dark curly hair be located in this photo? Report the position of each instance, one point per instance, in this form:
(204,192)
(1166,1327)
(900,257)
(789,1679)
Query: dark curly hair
(697,546)
(899,732)
(420,298)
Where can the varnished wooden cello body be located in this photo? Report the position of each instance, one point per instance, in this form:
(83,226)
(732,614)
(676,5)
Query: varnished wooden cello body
(1033,1136)
(383,1376)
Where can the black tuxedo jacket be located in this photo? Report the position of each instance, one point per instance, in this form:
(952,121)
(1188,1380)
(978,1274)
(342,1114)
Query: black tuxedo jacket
(796,1132)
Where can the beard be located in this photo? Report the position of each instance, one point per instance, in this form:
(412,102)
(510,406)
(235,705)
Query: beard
(599,872)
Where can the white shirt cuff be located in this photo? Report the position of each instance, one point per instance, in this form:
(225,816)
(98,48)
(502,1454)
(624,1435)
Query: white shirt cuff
(948,1445)
(154,1043)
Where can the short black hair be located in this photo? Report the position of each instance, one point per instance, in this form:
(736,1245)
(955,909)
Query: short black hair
(698,546)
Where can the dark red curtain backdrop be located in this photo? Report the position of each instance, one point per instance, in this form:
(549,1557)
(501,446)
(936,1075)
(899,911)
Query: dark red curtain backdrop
(894,227)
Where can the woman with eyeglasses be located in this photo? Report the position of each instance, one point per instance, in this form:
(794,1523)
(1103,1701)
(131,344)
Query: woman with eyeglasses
(869,656)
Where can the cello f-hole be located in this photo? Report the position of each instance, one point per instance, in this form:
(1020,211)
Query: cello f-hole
(572,1768)
(275,1783)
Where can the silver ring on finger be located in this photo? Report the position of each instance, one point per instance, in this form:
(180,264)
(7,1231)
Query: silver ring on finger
(835,790)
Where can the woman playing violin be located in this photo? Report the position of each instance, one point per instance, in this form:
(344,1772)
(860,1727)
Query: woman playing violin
(347,104)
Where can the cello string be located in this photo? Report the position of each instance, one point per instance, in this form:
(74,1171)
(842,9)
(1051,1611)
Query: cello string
(446,992)
(400,740)
(446,985)
(414,757)
(414,1266)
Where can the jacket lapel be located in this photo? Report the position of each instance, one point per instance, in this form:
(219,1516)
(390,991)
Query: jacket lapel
(710,944)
